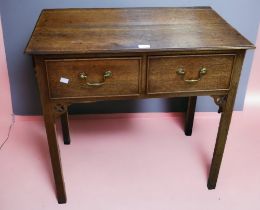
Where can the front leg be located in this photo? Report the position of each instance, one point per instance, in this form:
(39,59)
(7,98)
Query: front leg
(226,103)
(50,113)
(220,142)
(49,120)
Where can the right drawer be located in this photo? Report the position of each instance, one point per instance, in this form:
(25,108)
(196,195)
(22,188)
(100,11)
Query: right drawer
(185,73)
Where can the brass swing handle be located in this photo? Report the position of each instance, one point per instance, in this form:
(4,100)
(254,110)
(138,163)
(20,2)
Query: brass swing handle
(180,71)
(84,76)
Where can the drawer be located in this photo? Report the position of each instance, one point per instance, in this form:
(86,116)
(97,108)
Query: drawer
(167,74)
(99,77)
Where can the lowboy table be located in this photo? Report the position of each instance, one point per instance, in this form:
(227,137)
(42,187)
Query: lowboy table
(88,55)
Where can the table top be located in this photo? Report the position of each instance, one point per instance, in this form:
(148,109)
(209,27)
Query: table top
(80,31)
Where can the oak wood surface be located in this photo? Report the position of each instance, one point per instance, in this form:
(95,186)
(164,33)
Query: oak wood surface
(225,123)
(80,31)
(125,77)
(66,42)
(50,121)
(163,76)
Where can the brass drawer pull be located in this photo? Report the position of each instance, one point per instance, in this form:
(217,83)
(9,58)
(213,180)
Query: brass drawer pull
(180,71)
(84,76)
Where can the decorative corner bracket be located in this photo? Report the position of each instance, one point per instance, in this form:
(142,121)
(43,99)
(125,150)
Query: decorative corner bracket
(220,101)
(60,108)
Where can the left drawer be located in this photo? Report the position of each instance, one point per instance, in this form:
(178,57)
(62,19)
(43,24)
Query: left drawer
(95,77)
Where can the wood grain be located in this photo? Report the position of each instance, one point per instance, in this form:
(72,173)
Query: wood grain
(124,80)
(162,76)
(80,31)
(66,42)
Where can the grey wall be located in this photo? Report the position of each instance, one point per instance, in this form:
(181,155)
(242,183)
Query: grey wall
(19,18)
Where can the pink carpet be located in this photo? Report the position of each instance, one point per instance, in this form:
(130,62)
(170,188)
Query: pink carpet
(133,161)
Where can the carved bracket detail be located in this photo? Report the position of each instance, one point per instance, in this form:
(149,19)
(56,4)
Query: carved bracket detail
(220,101)
(60,108)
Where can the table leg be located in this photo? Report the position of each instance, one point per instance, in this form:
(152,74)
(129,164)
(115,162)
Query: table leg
(220,143)
(225,122)
(50,112)
(189,118)
(55,158)
(65,128)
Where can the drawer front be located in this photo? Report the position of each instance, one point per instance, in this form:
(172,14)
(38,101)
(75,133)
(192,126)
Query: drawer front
(167,74)
(72,78)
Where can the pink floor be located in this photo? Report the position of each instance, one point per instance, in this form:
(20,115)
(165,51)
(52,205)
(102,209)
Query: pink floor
(133,161)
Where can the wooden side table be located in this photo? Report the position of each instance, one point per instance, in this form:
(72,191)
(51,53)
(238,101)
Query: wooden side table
(88,55)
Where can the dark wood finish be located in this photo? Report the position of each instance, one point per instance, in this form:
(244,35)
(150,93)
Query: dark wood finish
(224,123)
(116,30)
(50,119)
(55,159)
(189,118)
(124,80)
(65,128)
(66,42)
(163,78)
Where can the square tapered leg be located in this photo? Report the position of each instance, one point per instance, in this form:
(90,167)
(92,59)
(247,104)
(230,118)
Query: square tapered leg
(65,128)
(189,118)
